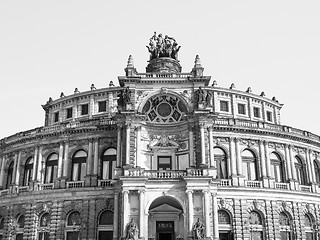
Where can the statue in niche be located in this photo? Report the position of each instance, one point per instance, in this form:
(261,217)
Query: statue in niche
(163,47)
(124,97)
(132,231)
(204,97)
(198,230)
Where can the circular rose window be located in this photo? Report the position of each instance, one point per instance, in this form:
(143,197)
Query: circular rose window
(164,109)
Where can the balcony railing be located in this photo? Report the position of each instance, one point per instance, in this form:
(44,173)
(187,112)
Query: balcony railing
(105,183)
(4,192)
(22,189)
(46,186)
(282,186)
(225,182)
(75,184)
(253,184)
(304,188)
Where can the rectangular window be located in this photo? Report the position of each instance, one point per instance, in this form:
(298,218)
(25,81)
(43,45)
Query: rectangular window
(256,112)
(269,116)
(56,117)
(102,106)
(84,109)
(164,163)
(224,106)
(69,112)
(241,108)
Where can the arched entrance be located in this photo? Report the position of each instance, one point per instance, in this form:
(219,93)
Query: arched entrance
(166,221)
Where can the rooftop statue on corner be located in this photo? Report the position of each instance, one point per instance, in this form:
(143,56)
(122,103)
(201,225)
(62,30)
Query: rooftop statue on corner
(163,47)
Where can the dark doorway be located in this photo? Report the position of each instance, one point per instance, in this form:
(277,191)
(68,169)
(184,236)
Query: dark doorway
(105,235)
(164,236)
(225,236)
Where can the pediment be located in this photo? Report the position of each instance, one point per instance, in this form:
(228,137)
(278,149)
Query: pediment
(165,208)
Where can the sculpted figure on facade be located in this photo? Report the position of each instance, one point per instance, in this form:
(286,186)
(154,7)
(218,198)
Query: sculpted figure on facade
(132,231)
(204,98)
(160,46)
(198,230)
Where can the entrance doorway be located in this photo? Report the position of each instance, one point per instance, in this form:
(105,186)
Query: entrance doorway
(165,230)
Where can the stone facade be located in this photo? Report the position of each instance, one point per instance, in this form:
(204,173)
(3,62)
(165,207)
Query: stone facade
(162,156)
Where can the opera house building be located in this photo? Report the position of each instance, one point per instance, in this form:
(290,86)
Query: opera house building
(165,155)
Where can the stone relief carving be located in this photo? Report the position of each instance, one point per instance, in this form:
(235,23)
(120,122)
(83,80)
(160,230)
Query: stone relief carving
(132,231)
(198,230)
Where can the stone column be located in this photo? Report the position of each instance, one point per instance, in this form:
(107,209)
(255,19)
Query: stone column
(35,162)
(141,214)
(212,162)
(202,142)
(126,210)
(207,212)
(3,160)
(268,163)
(190,210)
(115,216)
(66,160)
(40,172)
(314,180)
(215,217)
(233,157)
(96,157)
(138,144)
(60,159)
(293,168)
(15,169)
(128,125)
(89,164)
(239,159)
(288,162)
(119,146)
(309,163)
(191,148)
(262,159)
(18,160)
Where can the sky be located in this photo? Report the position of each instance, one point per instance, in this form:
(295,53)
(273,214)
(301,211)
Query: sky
(49,47)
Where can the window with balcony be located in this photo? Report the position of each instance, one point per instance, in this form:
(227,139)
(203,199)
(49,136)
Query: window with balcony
(28,171)
(102,106)
(256,226)
(108,163)
(256,112)
(51,170)
(78,170)
(72,229)
(221,163)
(164,163)
(44,227)
(309,227)
(242,109)
(84,109)
(269,116)
(285,223)
(249,165)
(69,112)
(317,170)
(105,225)
(300,170)
(224,106)
(56,117)
(9,176)
(277,171)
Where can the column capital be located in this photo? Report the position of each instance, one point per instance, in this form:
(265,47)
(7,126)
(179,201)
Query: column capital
(141,191)
(206,191)
(210,128)
(189,191)
(125,192)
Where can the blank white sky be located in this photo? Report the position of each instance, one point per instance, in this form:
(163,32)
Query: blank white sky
(48,47)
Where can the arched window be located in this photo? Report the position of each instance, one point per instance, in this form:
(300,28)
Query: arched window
(277,171)
(256,226)
(108,163)
(51,168)
(28,170)
(225,225)
(105,227)
(73,226)
(309,227)
(9,176)
(285,226)
(20,227)
(43,229)
(300,171)
(221,163)
(317,170)
(79,166)
(249,165)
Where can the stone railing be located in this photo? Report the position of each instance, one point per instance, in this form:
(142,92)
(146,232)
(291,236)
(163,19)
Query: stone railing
(164,75)
(46,186)
(4,192)
(304,188)
(105,183)
(75,184)
(282,186)
(225,183)
(253,184)
(22,189)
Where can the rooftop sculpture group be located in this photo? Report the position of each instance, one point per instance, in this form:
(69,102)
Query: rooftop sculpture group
(160,46)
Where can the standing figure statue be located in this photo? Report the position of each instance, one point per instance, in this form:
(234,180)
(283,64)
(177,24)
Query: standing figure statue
(127,95)
(198,230)
(132,231)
